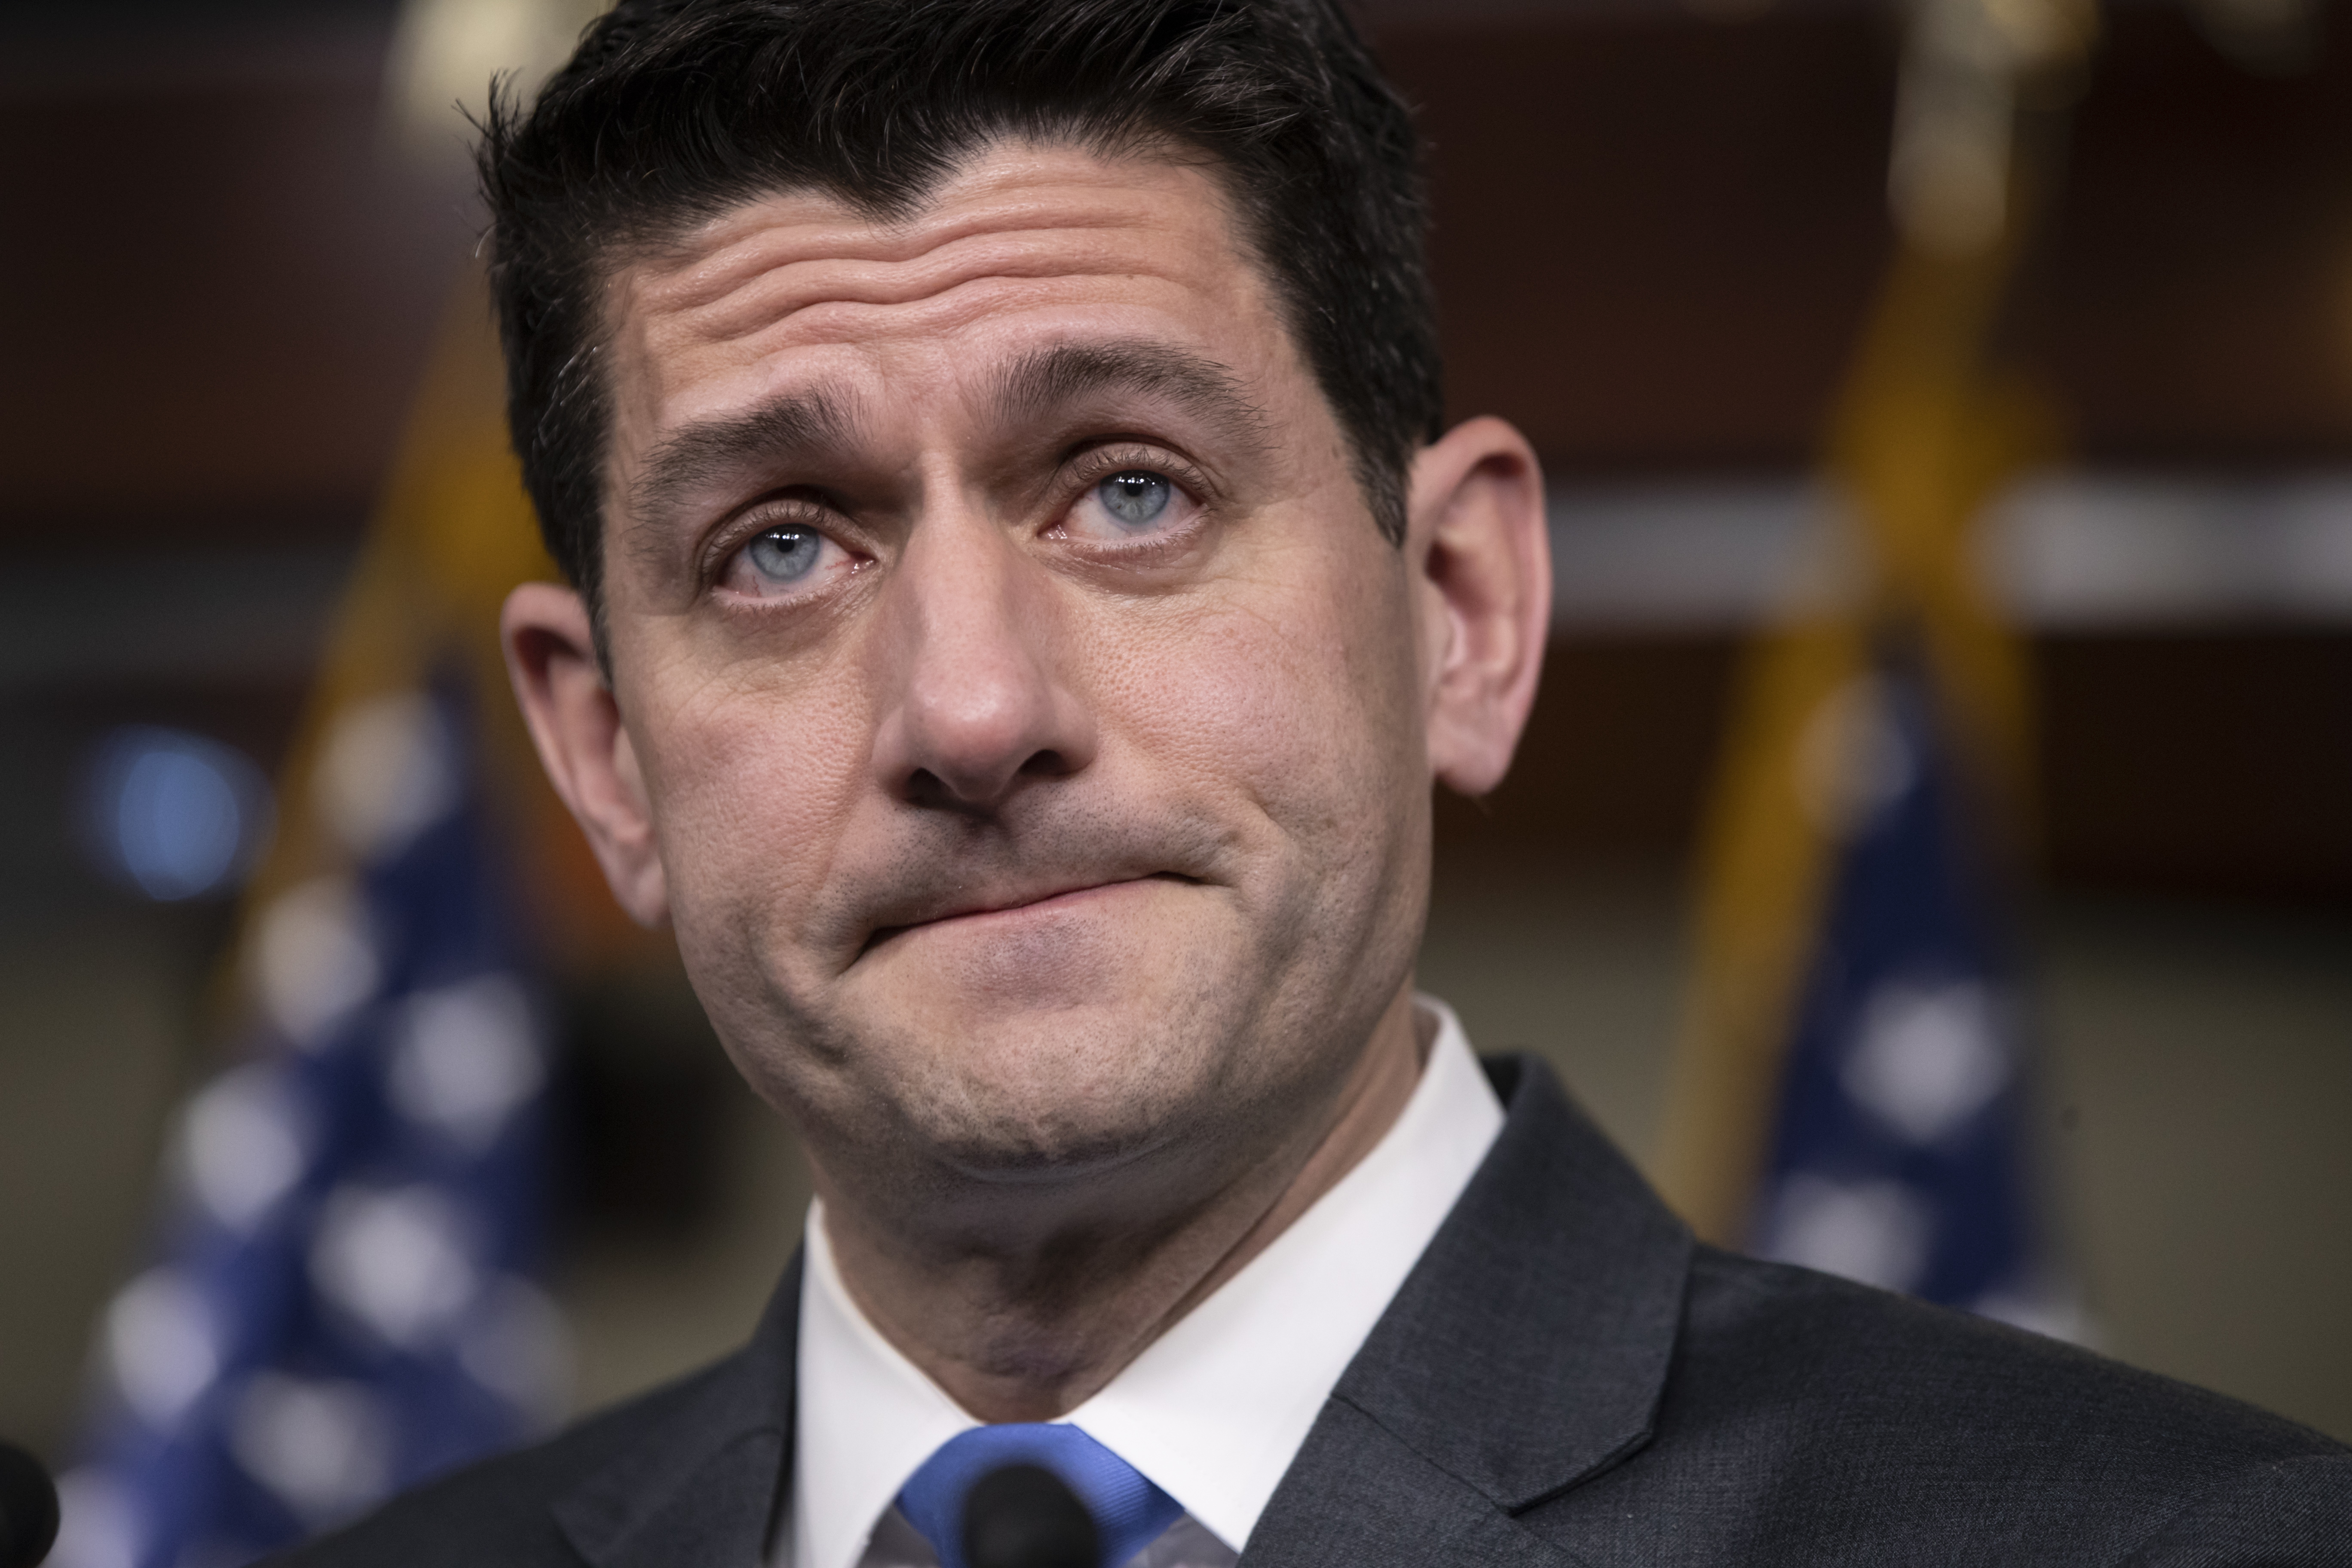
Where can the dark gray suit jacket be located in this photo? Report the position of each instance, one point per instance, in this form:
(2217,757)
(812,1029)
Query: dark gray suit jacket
(1565,1379)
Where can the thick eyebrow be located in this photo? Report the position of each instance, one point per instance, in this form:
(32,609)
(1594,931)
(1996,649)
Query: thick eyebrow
(792,429)
(1042,384)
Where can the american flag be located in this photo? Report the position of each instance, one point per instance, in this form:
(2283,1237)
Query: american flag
(340,1296)
(1899,1153)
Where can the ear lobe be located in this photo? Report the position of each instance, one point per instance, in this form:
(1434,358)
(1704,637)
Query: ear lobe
(1477,540)
(576,726)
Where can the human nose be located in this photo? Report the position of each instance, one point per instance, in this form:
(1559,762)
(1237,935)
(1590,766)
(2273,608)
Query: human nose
(977,704)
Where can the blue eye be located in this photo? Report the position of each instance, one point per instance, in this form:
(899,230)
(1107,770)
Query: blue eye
(1134,497)
(786,554)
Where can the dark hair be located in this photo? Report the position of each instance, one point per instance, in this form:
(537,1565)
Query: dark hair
(674,110)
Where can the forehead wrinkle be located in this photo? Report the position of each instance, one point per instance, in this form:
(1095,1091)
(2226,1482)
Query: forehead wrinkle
(1047,380)
(796,424)
(774,296)
(700,266)
(706,278)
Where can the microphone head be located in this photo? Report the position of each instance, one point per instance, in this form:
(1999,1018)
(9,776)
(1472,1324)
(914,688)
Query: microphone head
(1024,1516)
(28,1508)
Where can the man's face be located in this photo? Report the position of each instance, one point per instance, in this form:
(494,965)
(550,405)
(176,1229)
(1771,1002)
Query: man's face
(1028,713)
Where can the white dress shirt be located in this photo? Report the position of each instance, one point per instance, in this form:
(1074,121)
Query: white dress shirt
(1214,1410)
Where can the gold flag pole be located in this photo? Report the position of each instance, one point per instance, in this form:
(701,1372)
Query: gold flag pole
(1925,431)
(451,534)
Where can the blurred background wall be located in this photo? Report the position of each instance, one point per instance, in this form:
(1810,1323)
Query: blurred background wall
(1658,228)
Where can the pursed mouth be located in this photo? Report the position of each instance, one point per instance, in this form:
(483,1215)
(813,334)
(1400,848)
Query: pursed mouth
(883,935)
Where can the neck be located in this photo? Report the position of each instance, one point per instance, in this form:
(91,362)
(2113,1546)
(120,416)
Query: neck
(1030,1331)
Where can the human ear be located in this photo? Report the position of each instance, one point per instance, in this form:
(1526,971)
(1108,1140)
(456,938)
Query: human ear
(1481,557)
(576,725)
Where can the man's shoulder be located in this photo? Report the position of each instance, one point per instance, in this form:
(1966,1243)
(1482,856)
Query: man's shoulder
(1825,1411)
(1568,1356)
(502,1510)
(1760,1334)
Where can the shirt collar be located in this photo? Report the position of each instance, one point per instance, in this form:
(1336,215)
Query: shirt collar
(1214,1409)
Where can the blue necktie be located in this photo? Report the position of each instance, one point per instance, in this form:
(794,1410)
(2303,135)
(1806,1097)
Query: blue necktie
(1129,1511)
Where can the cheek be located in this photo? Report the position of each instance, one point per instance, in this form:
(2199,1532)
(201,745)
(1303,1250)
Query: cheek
(751,774)
(1293,689)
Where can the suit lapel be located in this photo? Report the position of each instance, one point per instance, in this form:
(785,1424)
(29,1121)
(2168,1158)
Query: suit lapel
(703,1485)
(1358,1496)
(1526,1352)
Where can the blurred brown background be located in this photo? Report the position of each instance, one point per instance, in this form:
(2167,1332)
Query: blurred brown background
(1658,227)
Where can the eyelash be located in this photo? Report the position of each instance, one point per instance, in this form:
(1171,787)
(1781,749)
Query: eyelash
(1095,464)
(762,517)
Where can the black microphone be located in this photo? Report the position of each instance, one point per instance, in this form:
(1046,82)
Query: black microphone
(28,1508)
(1023,1516)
